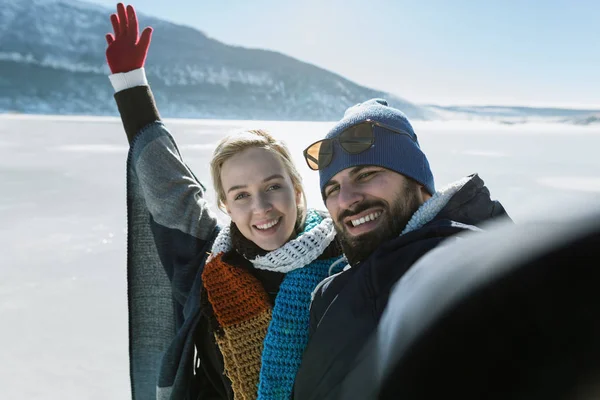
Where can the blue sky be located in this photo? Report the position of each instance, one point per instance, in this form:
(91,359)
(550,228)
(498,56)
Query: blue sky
(506,52)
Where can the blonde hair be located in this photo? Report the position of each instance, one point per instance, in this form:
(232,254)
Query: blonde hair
(236,143)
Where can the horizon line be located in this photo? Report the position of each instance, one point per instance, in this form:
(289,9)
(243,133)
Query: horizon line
(552,106)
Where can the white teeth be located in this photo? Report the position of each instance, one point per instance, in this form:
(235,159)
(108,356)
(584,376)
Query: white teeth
(268,225)
(370,217)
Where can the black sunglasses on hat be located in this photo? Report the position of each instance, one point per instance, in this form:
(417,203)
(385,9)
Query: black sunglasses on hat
(354,140)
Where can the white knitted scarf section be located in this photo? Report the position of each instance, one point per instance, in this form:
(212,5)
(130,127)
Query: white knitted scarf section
(422,216)
(295,254)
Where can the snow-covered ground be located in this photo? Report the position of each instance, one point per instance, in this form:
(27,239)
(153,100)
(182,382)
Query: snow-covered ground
(62,226)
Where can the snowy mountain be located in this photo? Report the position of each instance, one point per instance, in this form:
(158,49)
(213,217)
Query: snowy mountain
(586,119)
(52,61)
(517,114)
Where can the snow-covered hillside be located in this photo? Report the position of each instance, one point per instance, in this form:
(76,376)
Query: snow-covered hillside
(52,60)
(517,115)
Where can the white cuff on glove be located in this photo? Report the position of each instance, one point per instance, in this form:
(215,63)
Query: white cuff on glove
(126,80)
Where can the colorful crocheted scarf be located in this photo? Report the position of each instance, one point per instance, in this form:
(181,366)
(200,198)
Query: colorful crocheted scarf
(262,344)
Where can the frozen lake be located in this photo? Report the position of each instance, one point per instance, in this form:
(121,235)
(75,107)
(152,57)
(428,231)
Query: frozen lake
(62,226)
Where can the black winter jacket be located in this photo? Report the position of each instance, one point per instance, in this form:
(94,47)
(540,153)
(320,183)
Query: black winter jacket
(518,319)
(346,310)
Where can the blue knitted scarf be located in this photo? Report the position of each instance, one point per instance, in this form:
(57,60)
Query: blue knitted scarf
(287,335)
(287,330)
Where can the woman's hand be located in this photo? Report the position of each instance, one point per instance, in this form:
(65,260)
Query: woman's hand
(125,51)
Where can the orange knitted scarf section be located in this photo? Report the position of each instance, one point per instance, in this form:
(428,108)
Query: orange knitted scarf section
(243,310)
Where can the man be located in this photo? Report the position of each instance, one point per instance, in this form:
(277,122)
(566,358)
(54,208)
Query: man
(517,319)
(379,189)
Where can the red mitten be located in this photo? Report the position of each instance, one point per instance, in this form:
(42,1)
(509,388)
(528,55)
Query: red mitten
(125,52)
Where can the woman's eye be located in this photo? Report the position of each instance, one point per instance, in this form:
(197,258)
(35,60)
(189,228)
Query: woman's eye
(240,196)
(274,187)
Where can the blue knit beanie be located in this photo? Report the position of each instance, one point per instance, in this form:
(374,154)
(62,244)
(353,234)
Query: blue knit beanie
(390,150)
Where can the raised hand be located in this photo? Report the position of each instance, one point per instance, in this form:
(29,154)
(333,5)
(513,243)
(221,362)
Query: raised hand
(126,51)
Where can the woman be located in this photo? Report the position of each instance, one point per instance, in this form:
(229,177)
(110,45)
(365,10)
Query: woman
(238,296)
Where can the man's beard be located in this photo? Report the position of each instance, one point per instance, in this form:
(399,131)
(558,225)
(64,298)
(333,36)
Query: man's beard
(392,223)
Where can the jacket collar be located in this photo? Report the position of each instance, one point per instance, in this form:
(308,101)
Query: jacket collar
(430,209)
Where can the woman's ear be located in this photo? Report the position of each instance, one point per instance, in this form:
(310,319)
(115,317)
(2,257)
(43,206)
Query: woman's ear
(298,196)
(225,208)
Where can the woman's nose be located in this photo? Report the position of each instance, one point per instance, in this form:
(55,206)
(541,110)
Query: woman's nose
(262,204)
